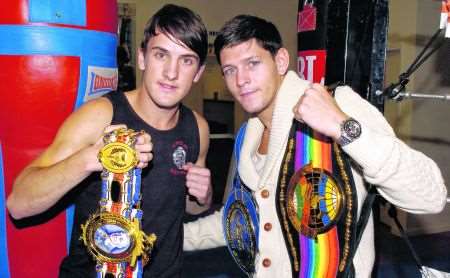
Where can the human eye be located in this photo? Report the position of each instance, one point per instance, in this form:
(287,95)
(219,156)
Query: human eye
(229,71)
(159,55)
(253,63)
(188,61)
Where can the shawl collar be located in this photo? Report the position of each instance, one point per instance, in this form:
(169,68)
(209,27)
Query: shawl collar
(287,96)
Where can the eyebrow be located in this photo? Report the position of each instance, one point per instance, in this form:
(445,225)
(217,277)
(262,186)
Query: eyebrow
(245,60)
(183,55)
(160,49)
(191,56)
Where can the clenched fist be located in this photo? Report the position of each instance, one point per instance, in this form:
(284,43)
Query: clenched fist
(318,109)
(198,183)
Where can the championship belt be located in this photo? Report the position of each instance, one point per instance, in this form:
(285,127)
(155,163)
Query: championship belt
(317,205)
(241,226)
(113,235)
(240,219)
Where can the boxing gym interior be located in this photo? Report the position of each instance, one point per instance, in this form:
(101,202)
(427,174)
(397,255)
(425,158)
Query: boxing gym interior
(394,53)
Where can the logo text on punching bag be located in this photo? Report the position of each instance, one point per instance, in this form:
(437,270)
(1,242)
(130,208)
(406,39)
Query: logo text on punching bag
(311,65)
(100,81)
(103,83)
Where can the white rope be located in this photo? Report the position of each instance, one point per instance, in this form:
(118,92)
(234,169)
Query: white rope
(428,272)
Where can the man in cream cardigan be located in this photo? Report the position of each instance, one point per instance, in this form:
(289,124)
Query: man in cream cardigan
(264,240)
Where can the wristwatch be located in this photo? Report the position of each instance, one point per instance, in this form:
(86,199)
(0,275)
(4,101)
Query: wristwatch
(350,131)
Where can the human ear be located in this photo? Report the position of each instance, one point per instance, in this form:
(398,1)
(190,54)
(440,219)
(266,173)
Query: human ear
(282,60)
(199,73)
(141,59)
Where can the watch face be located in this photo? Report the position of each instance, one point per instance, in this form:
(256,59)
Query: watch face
(352,128)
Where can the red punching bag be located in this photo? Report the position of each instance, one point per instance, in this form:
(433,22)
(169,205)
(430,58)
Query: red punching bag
(54,55)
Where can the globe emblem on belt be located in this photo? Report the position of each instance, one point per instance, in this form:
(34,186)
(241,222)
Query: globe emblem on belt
(315,201)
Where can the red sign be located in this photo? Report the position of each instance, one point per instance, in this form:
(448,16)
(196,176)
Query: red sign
(311,65)
(307,19)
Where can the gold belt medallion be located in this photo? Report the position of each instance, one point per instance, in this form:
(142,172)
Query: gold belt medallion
(118,157)
(114,238)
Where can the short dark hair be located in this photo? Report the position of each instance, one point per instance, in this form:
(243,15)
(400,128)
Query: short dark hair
(182,24)
(242,28)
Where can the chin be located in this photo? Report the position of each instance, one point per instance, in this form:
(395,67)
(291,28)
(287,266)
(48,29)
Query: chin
(168,105)
(251,107)
(252,110)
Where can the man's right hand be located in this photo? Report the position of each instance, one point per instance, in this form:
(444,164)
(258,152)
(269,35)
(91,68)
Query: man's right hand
(143,147)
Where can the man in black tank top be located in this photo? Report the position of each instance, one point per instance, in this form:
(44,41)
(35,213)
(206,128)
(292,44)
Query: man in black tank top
(171,151)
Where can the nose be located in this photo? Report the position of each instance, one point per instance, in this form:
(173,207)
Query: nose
(171,69)
(242,78)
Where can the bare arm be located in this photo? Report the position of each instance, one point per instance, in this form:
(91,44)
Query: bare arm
(66,162)
(198,177)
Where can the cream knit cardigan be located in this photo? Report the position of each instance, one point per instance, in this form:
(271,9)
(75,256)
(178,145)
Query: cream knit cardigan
(404,177)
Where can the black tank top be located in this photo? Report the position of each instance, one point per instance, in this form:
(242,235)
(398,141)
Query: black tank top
(163,194)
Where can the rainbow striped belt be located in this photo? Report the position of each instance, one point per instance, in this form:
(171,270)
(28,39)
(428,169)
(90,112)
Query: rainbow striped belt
(317,205)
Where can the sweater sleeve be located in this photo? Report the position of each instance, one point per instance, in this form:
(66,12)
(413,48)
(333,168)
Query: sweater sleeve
(405,177)
(204,233)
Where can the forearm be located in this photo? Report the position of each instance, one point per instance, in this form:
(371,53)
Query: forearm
(403,176)
(194,208)
(417,186)
(204,233)
(38,188)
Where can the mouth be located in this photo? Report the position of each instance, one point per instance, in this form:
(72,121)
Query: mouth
(247,93)
(167,87)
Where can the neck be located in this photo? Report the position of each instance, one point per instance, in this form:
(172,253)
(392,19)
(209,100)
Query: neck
(266,120)
(263,147)
(265,117)
(161,118)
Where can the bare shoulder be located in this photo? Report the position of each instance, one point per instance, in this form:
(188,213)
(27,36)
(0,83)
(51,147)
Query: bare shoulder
(203,130)
(202,123)
(82,128)
(88,121)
